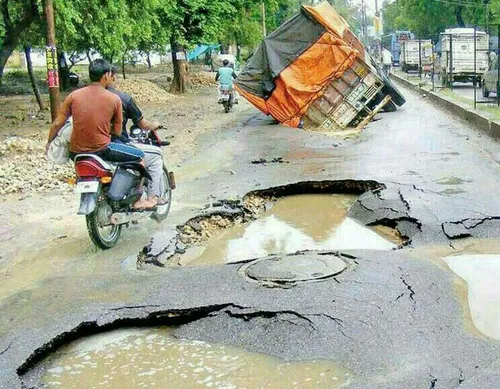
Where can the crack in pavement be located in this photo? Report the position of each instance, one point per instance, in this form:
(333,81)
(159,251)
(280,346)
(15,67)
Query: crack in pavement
(247,316)
(135,307)
(467,224)
(461,379)
(6,349)
(339,322)
(410,289)
(404,201)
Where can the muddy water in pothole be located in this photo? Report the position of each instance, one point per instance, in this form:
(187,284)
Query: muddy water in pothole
(302,222)
(147,358)
(482,274)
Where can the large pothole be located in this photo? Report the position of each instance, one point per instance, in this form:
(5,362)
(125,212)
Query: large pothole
(310,215)
(151,357)
(288,225)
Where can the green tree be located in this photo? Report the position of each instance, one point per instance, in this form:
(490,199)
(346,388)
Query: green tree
(193,21)
(17,17)
(427,18)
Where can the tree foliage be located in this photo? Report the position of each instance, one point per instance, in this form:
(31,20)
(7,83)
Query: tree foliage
(114,28)
(17,17)
(427,18)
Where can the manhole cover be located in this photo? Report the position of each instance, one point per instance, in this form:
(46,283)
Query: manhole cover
(294,268)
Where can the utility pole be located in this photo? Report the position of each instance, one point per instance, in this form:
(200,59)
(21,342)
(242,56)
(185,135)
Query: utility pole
(378,31)
(51,52)
(363,22)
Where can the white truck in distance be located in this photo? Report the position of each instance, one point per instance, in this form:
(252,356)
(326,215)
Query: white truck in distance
(410,59)
(461,55)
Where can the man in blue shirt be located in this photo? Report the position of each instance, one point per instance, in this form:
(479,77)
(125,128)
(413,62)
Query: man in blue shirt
(225,75)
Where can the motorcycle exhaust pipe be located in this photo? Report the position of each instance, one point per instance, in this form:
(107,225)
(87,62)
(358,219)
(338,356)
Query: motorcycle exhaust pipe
(128,217)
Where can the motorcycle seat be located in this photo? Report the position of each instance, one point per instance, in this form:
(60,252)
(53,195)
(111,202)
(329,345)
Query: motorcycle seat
(105,164)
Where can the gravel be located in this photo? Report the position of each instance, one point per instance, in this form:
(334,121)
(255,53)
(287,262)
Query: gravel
(24,168)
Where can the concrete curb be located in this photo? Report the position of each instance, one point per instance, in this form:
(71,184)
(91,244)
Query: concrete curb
(462,111)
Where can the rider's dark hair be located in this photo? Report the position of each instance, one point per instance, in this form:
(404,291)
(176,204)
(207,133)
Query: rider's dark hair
(225,62)
(98,68)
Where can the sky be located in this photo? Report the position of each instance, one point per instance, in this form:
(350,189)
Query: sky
(370,5)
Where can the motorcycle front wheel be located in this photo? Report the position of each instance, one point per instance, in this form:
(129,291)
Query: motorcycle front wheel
(103,233)
(166,194)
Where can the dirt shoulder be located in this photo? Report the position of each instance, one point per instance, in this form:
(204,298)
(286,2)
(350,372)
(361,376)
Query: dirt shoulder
(24,168)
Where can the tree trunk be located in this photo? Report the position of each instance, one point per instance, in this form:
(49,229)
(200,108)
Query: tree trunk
(29,64)
(459,17)
(223,48)
(179,81)
(238,51)
(89,58)
(123,68)
(148,60)
(5,53)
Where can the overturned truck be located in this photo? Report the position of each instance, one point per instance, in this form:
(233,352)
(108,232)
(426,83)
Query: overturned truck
(313,73)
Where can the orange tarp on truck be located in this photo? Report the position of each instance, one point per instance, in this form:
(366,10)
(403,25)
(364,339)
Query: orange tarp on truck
(294,65)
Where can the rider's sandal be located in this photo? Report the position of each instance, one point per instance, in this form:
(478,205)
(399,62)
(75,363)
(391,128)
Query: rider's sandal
(161,201)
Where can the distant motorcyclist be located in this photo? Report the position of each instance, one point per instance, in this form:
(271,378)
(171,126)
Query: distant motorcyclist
(225,75)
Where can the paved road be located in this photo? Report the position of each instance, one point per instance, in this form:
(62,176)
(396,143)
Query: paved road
(395,320)
(467,90)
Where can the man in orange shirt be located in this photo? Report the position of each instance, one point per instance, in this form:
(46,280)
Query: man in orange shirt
(96,114)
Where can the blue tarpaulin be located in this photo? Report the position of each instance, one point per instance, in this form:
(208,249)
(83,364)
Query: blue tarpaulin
(200,50)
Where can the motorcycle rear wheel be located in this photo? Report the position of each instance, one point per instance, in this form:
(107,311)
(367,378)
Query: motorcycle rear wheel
(101,232)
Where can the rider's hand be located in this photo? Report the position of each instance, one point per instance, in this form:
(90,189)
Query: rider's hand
(156,125)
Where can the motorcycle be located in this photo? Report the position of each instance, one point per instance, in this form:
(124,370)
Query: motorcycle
(226,97)
(108,191)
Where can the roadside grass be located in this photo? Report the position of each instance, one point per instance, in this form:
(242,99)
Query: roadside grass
(491,109)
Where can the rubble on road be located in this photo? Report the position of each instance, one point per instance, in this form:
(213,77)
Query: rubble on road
(144,91)
(203,79)
(24,168)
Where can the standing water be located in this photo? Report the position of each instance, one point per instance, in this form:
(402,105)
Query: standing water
(153,358)
(482,273)
(294,223)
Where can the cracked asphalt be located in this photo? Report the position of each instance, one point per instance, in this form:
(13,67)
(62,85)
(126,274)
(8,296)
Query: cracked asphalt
(395,319)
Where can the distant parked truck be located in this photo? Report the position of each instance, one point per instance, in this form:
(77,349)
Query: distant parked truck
(392,42)
(410,58)
(457,56)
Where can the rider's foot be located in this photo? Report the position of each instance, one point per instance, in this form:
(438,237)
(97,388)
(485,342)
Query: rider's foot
(160,201)
(145,204)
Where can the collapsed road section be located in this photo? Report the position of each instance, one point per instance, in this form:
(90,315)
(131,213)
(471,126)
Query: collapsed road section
(283,220)
(314,73)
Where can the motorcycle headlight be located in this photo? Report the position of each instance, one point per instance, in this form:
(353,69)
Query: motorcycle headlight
(135,132)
